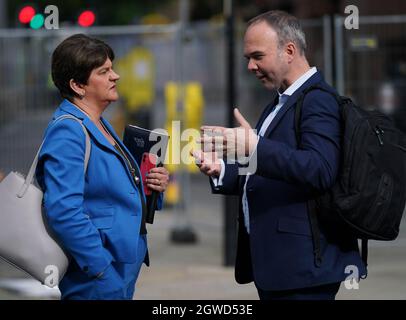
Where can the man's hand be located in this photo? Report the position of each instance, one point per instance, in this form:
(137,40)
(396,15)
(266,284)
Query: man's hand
(240,141)
(208,162)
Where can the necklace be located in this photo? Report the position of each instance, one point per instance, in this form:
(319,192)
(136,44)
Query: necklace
(129,165)
(96,122)
(123,153)
(134,175)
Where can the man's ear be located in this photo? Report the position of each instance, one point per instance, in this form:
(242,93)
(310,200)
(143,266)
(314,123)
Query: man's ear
(290,51)
(77,87)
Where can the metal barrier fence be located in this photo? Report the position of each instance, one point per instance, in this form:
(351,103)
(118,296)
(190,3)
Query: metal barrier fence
(370,66)
(27,95)
(371,63)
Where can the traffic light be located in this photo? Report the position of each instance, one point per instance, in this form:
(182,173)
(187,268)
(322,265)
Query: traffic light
(86,18)
(29,17)
(37,21)
(26,14)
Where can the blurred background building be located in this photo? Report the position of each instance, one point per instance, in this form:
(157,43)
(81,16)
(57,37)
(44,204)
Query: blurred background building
(171,55)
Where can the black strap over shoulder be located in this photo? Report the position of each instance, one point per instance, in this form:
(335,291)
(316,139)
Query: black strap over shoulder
(311,208)
(299,105)
(364,252)
(311,204)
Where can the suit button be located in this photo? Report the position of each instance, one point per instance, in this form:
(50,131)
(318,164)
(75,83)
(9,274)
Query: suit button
(86,269)
(250,189)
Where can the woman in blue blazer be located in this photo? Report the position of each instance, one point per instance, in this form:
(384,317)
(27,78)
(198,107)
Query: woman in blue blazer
(97,215)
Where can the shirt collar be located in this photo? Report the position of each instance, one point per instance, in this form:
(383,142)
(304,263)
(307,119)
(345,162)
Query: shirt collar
(298,83)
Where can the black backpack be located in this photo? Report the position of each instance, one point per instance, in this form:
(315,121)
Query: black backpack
(369,195)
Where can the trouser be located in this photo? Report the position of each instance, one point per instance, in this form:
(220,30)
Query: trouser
(322,292)
(76,285)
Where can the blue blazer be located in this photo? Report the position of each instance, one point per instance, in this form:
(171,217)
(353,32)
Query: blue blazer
(96,216)
(278,252)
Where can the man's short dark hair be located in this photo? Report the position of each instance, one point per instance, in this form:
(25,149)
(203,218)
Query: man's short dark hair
(75,58)
(286,26)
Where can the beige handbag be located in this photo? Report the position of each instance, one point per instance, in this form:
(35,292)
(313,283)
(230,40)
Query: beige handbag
(25,240)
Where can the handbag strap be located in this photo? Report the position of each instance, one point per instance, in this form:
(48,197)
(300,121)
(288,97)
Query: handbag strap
(31,172)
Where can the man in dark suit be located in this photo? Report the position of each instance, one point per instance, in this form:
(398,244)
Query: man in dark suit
(275,243)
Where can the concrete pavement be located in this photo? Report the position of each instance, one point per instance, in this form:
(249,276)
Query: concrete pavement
(196,272)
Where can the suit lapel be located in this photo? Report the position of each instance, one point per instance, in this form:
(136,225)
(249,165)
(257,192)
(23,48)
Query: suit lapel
(266,112)
(68,107)
(128,153)
(292,101)
(98,137)
(118,140)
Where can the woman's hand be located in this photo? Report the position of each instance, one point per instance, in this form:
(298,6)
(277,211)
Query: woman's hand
(158,179)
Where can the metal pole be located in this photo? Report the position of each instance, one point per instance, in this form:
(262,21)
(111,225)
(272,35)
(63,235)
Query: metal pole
(3,14)
(183,231)
(339,50)
(230,202)
(328,53)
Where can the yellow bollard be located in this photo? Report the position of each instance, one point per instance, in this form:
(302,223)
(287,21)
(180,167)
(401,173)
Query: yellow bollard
(192,102)
(193,116)
(137,78)
(172,193)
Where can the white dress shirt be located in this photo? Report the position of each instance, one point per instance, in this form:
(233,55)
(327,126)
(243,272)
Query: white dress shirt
(283,97)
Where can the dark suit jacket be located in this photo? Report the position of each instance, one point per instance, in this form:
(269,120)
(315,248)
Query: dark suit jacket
(278,252)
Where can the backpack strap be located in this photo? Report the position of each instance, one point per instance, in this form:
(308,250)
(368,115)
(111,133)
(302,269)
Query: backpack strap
(364,251)
(299,105)
(314,226)
(311,204)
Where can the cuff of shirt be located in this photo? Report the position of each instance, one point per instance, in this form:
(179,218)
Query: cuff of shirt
(245,161)
(218,182)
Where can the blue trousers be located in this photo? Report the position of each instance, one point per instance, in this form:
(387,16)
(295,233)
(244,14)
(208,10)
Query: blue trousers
(323,292)
(117,283)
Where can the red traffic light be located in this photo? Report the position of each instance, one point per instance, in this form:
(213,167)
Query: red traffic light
(86,18)
(26,14)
